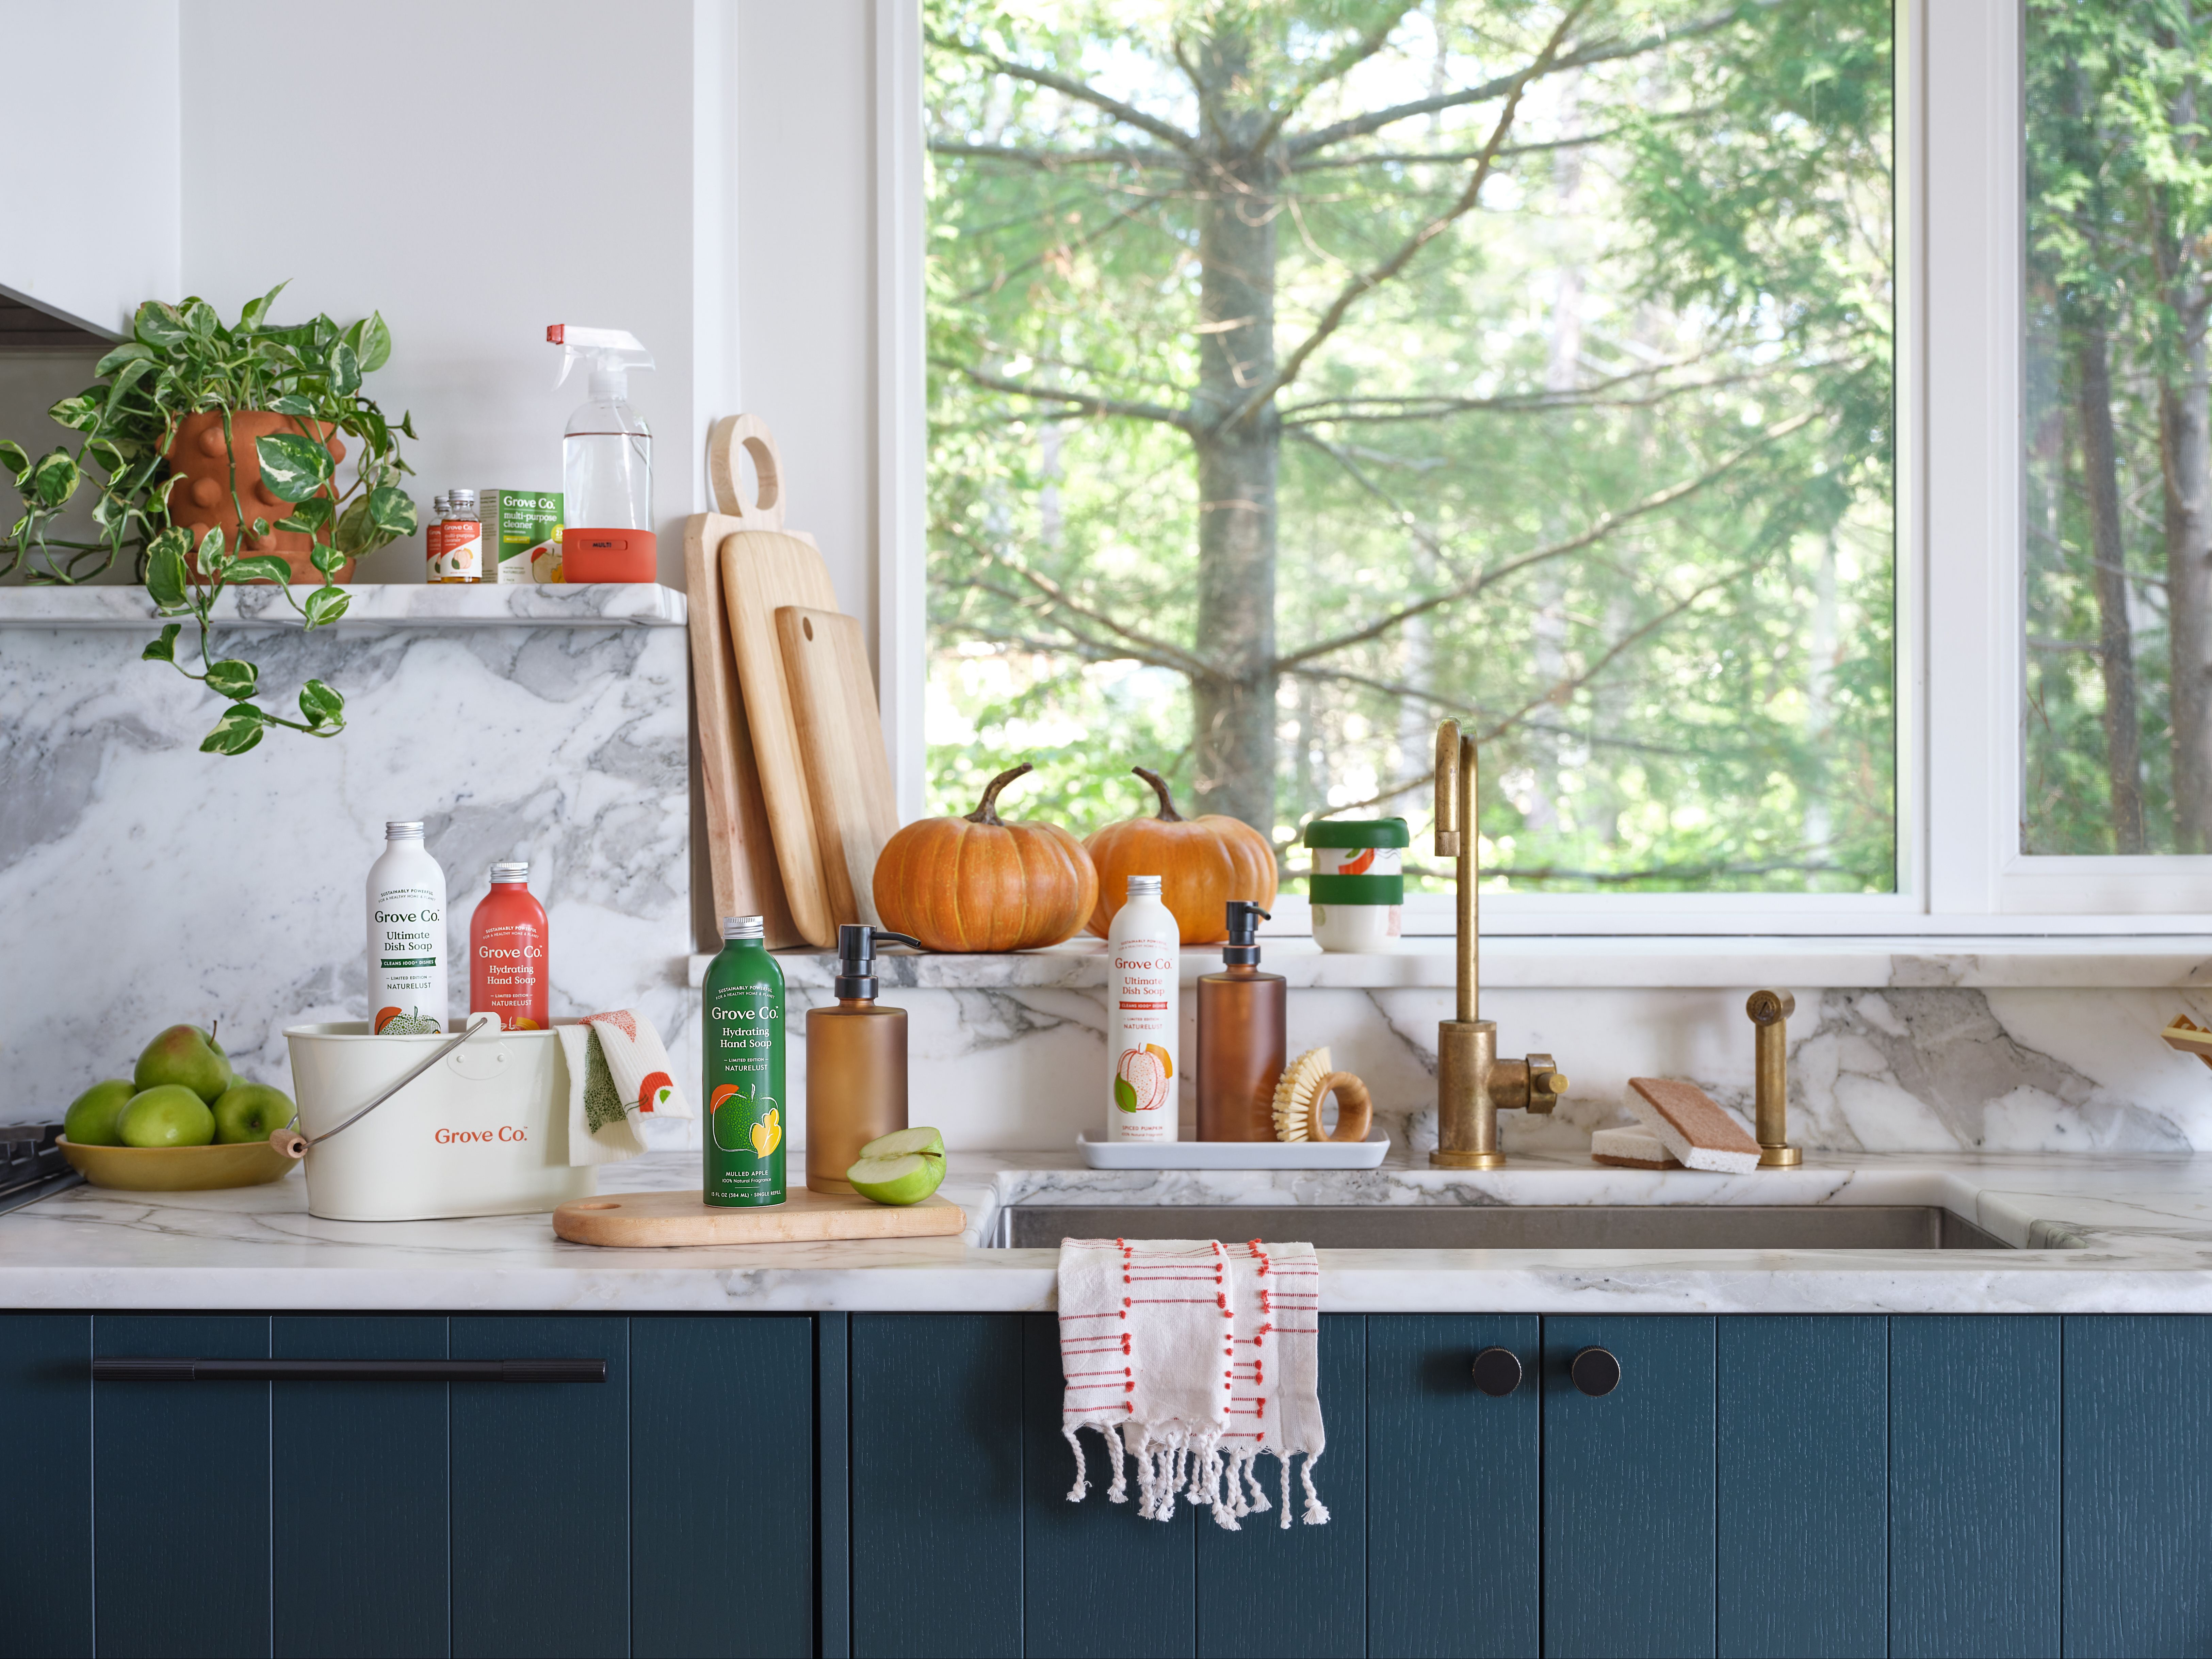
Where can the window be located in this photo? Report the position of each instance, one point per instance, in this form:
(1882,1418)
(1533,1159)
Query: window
(2117,431)
(1299,375)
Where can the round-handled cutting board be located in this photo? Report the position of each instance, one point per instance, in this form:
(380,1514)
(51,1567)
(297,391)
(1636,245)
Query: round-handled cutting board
(648,1219)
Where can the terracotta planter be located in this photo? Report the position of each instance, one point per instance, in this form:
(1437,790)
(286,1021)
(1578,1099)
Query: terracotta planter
(200,496)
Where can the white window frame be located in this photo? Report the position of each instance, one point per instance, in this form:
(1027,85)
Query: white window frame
(1959,776)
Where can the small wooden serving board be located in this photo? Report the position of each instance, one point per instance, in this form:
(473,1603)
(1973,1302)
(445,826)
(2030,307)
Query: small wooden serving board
(648,1219)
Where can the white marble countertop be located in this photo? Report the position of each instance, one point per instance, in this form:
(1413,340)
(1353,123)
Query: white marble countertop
(2145,1224)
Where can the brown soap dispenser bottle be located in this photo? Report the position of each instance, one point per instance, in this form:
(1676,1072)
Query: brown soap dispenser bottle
(855,1063)
(1240,1036)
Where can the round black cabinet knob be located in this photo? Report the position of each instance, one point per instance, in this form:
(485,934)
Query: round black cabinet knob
(1595,1371)
(1497,1371)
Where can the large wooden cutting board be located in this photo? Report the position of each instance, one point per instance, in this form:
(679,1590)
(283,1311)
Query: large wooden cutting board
(640,1221)
(741,858)
(763,571)
(841,739)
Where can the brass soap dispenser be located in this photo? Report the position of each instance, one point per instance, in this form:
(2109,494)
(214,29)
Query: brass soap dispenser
(1240,1036)
(855,1063)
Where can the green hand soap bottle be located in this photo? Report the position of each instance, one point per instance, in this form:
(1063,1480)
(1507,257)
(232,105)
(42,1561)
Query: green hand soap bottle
(743,1004)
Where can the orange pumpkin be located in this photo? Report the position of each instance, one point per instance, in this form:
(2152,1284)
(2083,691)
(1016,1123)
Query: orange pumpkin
(1202,864)
(979,884)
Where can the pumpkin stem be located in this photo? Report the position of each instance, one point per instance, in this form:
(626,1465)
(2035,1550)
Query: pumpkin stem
(988,813)
(1167,814)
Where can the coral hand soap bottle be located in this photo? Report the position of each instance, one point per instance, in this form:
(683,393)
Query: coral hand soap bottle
(1142,949)
(508,941)
(743,1003)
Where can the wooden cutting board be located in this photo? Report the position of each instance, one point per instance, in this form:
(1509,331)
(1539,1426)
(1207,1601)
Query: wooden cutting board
(639,1220)
(840,740)
(740,856)
(765,567)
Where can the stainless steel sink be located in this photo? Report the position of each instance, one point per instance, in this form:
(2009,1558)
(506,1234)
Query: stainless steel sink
(1513,1227)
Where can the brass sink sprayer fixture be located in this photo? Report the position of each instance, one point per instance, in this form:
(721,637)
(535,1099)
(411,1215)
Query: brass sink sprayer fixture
(1770,1013)
(1472,1084)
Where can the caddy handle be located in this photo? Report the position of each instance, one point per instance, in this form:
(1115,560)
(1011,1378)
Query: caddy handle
(349,1370)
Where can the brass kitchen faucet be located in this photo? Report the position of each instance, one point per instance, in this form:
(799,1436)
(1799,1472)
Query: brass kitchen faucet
(1472,1084)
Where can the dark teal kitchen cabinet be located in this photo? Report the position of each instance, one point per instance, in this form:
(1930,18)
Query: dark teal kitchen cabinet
(669,1509)
(2137,1478)
(1628,1489)
(1974,1485)
(1801,1499)
(1453,1540)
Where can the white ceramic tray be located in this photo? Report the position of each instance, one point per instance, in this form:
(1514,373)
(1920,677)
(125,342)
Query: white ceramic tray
(1235,1154)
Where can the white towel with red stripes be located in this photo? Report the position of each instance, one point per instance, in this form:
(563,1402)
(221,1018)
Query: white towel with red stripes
(1196,1358)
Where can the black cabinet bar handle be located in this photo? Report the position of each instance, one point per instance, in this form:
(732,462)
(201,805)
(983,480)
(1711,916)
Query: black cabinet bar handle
(349,1370)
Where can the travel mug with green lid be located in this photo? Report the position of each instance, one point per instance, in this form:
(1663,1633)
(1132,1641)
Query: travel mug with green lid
(1359,887)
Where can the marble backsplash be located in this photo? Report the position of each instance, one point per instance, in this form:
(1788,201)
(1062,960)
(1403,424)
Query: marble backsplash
(1909,1067)
(142,883)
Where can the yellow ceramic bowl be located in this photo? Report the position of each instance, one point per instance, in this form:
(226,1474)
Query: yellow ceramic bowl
(179,1169)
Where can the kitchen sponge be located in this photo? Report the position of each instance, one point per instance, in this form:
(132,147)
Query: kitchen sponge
(1694,1129)
(1631,1146)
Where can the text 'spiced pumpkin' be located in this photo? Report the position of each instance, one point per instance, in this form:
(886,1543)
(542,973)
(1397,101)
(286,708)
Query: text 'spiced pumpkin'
(1202,864)
(978,884)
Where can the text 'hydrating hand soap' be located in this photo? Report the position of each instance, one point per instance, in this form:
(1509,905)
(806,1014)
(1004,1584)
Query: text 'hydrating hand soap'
(743,1002)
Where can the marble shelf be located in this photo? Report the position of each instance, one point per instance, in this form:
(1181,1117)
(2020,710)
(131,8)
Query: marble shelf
(375,604)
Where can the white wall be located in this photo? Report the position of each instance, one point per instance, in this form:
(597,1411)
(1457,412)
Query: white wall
(700,171)
(806,281)
(88,222)
(518,165)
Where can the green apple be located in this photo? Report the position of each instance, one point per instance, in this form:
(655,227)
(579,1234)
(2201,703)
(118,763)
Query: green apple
(168,1115)
(250,1111)
(187,1057)
(95,1117)
(900,1142)
(903,1167)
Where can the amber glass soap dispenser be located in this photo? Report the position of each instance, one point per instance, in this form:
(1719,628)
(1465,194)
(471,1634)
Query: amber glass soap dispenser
(1240,1036)
(855,1063)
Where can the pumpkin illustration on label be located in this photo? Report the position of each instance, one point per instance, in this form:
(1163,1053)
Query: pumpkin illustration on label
(1140,1078)
(1358,864)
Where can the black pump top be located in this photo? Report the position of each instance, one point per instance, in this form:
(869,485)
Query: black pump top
(1243,946)
(856,958)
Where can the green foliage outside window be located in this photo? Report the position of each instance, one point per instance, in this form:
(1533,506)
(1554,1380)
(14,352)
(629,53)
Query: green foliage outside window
(1302,374)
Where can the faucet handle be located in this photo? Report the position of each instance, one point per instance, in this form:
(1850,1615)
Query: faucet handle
(1547,1084)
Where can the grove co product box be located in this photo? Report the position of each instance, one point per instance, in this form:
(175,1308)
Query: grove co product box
(522,531)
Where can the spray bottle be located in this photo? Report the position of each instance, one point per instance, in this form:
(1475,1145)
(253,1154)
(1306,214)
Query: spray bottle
(606,467)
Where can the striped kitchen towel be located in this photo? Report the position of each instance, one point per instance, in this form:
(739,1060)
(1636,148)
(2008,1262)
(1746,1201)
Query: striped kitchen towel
(1196,1358)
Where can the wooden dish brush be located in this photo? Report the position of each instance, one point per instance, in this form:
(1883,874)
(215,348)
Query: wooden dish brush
(1308,1081)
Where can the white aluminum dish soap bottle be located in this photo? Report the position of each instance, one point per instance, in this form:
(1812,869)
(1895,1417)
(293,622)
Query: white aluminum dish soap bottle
(1143,948)
(406,935)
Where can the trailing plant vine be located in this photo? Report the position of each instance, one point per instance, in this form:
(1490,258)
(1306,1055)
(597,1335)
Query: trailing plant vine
(182,360)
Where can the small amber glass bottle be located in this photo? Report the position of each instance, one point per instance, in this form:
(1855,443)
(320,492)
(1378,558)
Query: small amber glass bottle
(855,1063)
(1240,1036)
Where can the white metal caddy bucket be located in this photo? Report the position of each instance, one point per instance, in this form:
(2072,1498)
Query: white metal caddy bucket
(483,1132)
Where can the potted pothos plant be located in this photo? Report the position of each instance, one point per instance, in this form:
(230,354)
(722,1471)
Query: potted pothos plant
(211,453)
